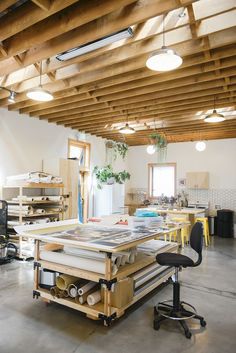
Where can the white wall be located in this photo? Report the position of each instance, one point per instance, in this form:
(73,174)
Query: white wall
(219,159)
(25,142)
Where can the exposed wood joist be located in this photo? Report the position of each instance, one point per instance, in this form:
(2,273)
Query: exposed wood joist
(98,91)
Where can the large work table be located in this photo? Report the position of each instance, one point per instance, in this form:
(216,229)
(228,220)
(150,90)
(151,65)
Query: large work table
(102,239)
(191,213)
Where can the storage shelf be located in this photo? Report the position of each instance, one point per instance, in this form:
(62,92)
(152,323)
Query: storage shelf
(94,310)
(36,215)
(10,202)
(92,276)
(35,186)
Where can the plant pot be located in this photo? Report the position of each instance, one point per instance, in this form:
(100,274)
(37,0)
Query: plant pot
(110,181)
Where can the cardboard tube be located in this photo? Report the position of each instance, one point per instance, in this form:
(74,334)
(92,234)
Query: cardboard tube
(74,287)
(81,299)
(94,298)
(63,281)
(54,291)
(84,289)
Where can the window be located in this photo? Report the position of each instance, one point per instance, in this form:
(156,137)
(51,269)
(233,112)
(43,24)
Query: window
(79,150)
(161,179)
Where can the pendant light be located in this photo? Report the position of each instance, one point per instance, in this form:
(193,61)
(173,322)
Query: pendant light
(164,59)
(214,117)
(151,149)
(38,93)
(127,130)
(200,146)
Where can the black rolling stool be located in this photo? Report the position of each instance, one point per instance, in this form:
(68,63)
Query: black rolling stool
(178,310)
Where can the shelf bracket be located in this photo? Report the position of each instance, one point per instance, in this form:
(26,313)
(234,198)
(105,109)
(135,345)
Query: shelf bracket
(36,265)
(107,319)
(108,283)
(36,294)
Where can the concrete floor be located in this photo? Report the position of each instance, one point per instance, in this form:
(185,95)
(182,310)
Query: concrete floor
(28,325)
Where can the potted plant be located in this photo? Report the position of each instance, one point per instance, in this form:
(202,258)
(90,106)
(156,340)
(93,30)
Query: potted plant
(113,149)
(105,175)
(121,177)
(160,143)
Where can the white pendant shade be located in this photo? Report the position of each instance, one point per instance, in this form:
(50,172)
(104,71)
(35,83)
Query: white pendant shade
(214,117)
(200,146)
(165,59)
(151,149)
(127,130)
(39,94)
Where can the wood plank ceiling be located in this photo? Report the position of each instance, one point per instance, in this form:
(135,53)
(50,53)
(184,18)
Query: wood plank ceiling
(99,91)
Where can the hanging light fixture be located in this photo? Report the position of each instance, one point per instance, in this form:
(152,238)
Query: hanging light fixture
(38,93)
(200,146)
(151,149)
(127,130)
(164,59)
(12,95)
(214,117)
(11,98)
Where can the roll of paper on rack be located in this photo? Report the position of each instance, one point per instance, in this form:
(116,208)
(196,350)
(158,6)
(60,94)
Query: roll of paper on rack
(73,289)
(63,281)
(86,288)
(94,298)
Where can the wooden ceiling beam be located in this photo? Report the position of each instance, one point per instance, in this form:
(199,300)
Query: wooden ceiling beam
(102,26)
(27,15)
(6,4)
(160,115)
(43,4)
(69,113)
(79,14)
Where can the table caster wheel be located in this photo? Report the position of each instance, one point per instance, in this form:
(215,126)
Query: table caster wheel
(203,323)
(156,325)
(188,334)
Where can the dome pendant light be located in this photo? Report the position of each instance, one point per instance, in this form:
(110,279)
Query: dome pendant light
(214,117)
(39,94)
(127,130)
(200,146)
(164,59)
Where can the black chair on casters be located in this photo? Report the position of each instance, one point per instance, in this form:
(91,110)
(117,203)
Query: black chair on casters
(175,309)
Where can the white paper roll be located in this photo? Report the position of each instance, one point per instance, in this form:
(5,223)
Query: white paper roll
(116,258)
(86,288)
(39,210)
(93,265)
(94,298)
(55,198)
(19,208)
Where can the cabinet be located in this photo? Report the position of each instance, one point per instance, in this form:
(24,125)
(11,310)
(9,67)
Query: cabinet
(197,180)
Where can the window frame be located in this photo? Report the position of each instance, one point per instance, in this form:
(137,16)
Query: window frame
(81,144)
(150,177)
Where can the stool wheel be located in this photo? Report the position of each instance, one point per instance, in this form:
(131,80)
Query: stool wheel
(203,323)
(188,334)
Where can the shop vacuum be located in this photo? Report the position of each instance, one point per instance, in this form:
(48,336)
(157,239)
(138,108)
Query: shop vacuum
(8,250)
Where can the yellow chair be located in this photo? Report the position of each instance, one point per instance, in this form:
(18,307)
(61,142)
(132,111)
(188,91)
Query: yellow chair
(204,221)
(184,231)
(171,234)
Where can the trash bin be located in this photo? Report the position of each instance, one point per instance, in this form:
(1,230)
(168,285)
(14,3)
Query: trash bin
(212,225)
(225,223)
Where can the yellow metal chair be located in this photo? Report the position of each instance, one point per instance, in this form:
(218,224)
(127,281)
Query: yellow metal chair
(204,221)
(184,231)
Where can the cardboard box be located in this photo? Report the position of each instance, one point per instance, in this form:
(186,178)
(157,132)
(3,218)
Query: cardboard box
(123,293)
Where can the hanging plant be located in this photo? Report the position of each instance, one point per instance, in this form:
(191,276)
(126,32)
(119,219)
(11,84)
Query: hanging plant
(160,143)
(113,149)
(106,176)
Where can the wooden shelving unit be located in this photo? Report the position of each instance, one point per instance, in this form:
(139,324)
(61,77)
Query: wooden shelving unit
(103,310)
(21,217)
